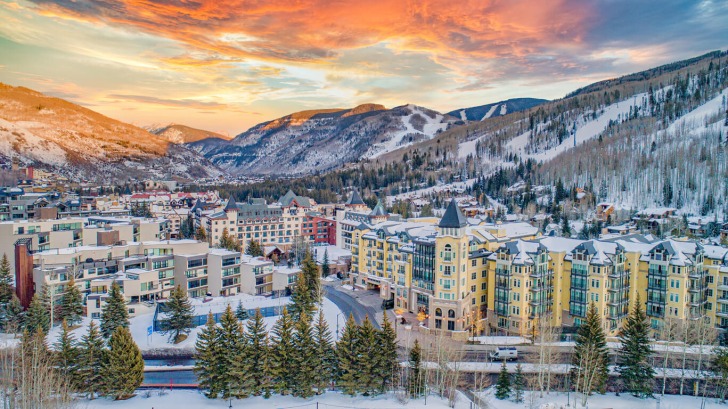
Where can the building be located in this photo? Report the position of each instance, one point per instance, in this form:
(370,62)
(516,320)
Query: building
(317,229)
(504,279)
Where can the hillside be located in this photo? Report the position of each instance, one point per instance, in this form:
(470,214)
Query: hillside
(313,141)
(482,112)
(181,134)
(657,137)
(76,141)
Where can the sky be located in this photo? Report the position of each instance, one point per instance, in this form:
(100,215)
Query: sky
(227,65)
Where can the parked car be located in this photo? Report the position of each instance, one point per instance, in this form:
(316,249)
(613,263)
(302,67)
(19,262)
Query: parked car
(504,353)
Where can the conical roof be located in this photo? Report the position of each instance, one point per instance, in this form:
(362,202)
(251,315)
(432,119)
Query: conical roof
(379,209)
(231,205)
(453,217)
(355,198)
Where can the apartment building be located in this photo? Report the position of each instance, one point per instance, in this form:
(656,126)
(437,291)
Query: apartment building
(507,279)
(148,271)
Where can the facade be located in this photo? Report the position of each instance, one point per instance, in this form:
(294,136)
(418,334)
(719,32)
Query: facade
(503,279)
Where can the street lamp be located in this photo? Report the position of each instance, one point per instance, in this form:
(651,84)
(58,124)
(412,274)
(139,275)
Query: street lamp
(231,403)
(337,325)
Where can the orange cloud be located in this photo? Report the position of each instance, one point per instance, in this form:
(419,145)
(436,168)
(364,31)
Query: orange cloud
(317,30)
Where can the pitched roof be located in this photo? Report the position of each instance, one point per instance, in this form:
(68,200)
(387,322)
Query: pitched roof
(378,209)
(354,198)
(289,197)
(453,217)
(231,205)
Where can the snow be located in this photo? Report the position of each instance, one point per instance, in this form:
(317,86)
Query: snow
(399,139)
(501,340)
(177,399)
(490,112)
(138,325)
(504,109)
(557,400)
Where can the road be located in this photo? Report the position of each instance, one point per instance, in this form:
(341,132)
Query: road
(350,306)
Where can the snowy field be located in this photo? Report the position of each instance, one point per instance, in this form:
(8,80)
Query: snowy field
(180,399)
(157,342)
(607,401)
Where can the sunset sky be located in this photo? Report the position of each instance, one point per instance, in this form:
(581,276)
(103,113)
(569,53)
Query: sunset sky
(229,64)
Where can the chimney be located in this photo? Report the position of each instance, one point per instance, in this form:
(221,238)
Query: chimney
(24,271)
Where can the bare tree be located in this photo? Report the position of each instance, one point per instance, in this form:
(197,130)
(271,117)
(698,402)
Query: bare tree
(545,337)
(668,332)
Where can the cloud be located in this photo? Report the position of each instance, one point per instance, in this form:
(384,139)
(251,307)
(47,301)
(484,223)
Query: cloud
(186,103)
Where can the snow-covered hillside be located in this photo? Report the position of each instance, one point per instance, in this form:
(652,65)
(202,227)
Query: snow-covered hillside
(419,124)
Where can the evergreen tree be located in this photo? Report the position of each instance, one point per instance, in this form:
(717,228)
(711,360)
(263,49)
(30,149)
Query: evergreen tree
(565,227)
(503,385)
(6,281)
(635,353)
(67,357)
(254,249)
(13,316)
(427,211)
(179,315)
(519,383)
(71,303)
(301,298)
(325,359)
(386,357)
(201,234)
(123,367)
(304,357)
(325,269)
(310,273)
(282,354)
(37,315)
(240,312)
(591,354)
(232,342)
(366,351)
(114,314)
(209,358)
(416,376)
(347,360)
(91,350)
(228,242)
(254,365)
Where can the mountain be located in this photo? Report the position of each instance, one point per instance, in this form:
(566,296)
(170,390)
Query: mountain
(182,134)
(78,142)
(509,106)
(319,140)
(653,138)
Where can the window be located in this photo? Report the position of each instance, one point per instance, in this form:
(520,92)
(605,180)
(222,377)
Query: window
(483,286)
(451,313)
(451,325)
(474,263)
(438,312)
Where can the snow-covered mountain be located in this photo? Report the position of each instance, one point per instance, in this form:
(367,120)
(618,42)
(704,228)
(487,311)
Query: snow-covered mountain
(80,143)
(181,134)
(320,140)
(493,110)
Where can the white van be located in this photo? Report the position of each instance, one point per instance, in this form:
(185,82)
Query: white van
(504,353)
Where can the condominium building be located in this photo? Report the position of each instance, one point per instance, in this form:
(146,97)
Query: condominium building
(504,279)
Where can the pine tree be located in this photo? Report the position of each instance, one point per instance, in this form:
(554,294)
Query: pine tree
(325,359)
(232,343)
(13,316)
(590,354)
(304,357)
(519,383)
(254,249)
(565,227)
(123,366)
(200,234)
(416,376)
(386,357)
(179,315)
(114,314)
(6,281)
(209,358)
(37,315)
(325,269)
(240,312)
(282,354)
(503,385)
(91,350)
(301,298)
(228,242)
(347,360)
(366,351)
(67,357)
(71,303)
(635,353)
(254,366)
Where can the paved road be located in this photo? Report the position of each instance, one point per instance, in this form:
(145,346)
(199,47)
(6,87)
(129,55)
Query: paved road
(349,305)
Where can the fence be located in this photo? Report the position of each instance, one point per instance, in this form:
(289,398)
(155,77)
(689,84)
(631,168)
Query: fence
(197,320)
